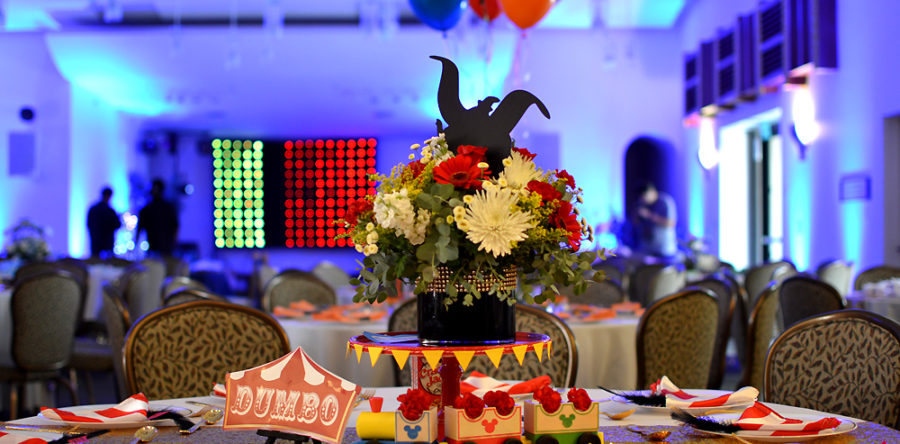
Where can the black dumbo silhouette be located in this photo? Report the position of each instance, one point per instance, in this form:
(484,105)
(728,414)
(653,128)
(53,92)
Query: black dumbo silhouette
(477,125)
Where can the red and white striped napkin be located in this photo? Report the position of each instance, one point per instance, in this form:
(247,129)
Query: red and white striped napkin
(13,438)
(762,418)
(677,398)
(132,409)
(479,384)
(219,390)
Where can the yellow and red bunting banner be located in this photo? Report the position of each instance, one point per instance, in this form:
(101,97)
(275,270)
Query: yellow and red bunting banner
(464,357)
(400,356)
(433,356)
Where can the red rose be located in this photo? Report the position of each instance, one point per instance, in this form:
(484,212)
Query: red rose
(525,153)
(579,398)
(565,219)
(459,171)
(413,403)
(355,209)
(550,399)
(416,167)
(475,152)
(548,192)
(472,404)
(501,401)
(564,175)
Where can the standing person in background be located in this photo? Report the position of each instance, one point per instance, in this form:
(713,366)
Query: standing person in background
(160,221)
(656,217)
(102,223)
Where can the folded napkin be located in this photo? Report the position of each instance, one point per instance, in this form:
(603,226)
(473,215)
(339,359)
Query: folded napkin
(14,438)
(367,315)
(479,384)
(219,390)
(285,312)
(675,397)
(302,306)
(332,315)
(600,314)
(762,418)
(626,306)
(130,410)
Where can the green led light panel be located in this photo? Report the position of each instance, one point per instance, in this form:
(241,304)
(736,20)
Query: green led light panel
(238,182)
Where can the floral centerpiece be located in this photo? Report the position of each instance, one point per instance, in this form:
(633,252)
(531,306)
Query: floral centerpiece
(27,242)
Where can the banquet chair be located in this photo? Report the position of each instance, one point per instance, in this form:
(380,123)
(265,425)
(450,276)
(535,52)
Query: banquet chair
(403,318)
(801,297)
(846,362)
(172,283)
(612,271)
(141,296)
(838,274)
(185,349)
(118,321)
(43,308)
(561,365)
(331,274)
(676,338)
(295,285)
(156,269)
(665,282)
(639,282)
(761,331)
(182,295)
(758,278)
(739,318)
(603,293)
(875,274)
(176,266)
(725,296)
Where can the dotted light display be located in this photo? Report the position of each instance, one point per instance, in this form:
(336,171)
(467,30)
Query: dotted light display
(321,177)
(238,185)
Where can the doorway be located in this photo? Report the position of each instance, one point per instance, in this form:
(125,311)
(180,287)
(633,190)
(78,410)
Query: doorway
(766,193)
(892,190)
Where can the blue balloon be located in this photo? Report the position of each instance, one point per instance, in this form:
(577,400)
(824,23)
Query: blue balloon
(439,14)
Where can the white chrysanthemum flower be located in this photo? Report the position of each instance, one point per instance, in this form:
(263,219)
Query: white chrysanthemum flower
(519,171)
(483,165)
(459,210)
(359,248)
(371,249)
(370,226)
(412,156)
(468,198)
(493,222)
(502,182)
(415,146)
(463,224)
(372,237)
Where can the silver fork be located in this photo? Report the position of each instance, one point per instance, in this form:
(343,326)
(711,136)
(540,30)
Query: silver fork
(364,395)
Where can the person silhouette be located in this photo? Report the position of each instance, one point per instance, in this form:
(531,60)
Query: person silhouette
(102,223)
(160,221)
(656,217)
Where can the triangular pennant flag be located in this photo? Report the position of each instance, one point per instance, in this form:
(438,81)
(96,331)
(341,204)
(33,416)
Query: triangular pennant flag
(538,348)
(374,353)
(400,356)
(347,355)
(519,351)
(432,357)
(494,354)
(549,348)
(464,357)
(359,349)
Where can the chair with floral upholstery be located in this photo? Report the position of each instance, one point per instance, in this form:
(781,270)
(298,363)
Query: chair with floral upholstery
(762,329)
(845,362)
(801,297)
(676,338)
(725,296)
(296,285)
(182,295)
(875,274)
(185,349)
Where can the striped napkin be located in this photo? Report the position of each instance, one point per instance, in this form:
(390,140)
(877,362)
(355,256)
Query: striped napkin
(762,418)
(479,384)
(219,390)
(677,398)
(12,438)
(133,409)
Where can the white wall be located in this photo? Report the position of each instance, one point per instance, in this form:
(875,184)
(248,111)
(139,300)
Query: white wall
(851,104)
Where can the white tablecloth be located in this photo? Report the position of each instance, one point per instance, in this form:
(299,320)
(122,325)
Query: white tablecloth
(607,354)
(606,351)
(887,306)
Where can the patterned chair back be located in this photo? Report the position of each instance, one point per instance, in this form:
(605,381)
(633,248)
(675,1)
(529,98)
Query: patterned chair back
(185,349)
(846,362)
(117,319)
(801,297)
(44,309)
(676,338)
(761,331)
(838,274)
(173,283)
(182,295)
(75,270)
(295,285)
(141,296)
(603,293)
(725,296)
(875,274)
(667,281)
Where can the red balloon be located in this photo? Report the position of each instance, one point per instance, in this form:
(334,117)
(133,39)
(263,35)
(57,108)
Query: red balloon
(489,11)
(526,13)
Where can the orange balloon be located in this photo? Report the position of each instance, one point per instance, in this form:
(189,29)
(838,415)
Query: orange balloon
(526,13)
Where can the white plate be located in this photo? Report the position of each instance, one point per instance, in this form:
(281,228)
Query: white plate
(119,425)
(694,410)
(756,435)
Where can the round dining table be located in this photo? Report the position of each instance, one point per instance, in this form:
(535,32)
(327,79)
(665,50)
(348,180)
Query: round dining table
(614,431)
